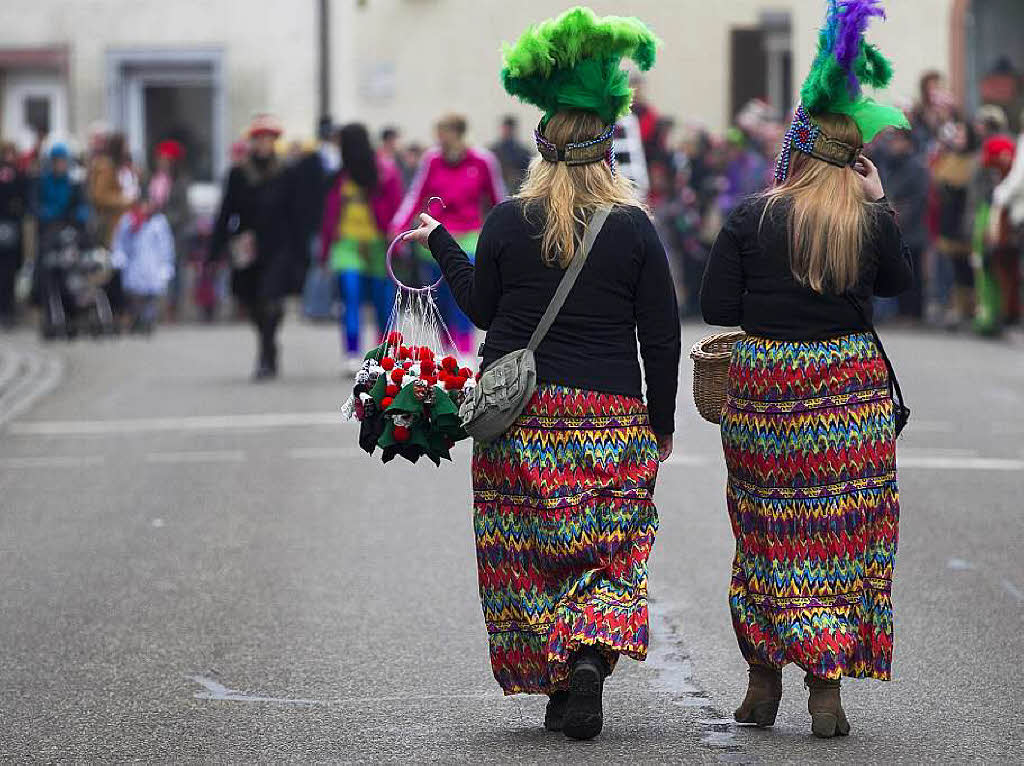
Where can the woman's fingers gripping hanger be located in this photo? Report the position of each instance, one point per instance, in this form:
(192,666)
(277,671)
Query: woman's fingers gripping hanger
(422,234)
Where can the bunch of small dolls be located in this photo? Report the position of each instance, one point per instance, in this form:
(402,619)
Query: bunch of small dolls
(407,401)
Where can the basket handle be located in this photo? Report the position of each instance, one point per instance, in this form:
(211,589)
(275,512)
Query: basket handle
(391,250)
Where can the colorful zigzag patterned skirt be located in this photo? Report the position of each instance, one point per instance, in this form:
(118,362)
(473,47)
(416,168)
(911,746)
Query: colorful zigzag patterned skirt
(565,522)
(813,501)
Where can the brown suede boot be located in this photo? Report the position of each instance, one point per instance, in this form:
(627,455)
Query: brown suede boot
(764,692)
(828,719)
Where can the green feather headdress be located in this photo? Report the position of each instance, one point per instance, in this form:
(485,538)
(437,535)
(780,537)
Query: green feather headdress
(574,62)
(844,63)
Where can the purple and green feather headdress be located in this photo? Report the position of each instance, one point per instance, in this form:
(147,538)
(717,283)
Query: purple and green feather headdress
(844,64)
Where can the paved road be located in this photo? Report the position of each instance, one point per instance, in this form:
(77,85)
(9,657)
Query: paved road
(198,569)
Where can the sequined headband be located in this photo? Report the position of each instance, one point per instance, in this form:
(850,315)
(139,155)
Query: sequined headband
(580,153)
(807,136)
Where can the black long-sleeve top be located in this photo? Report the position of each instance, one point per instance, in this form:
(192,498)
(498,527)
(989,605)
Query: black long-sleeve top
(748,281)
(623,294)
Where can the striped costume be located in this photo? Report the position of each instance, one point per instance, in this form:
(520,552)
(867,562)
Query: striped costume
(564,522)
(813,502)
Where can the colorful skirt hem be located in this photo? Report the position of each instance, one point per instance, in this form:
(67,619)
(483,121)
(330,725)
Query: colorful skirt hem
(813,501)
(565,522)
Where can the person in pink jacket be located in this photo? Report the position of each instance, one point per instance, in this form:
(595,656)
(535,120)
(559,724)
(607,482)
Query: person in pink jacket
(357,211)
(468,180)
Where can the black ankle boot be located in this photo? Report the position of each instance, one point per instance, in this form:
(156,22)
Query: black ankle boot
(262,372)
(266,365)
(584,715)
(554,713)
(272,359)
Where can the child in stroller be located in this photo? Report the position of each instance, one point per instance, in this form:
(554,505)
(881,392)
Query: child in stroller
(71,284)
(70,274)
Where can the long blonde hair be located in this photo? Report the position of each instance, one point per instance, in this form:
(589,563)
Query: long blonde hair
(565,195)
(828,220)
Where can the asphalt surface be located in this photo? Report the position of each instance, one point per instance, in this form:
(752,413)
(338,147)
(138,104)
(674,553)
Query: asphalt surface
(198,569)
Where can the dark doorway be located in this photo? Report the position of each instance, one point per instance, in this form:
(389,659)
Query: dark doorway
(762,65)
(747,76)
(995,56)
(184,113)
(37,114)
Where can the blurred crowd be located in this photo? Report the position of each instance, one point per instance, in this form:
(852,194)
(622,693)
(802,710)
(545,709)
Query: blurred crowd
(72,224)
(314,218)
(956,180)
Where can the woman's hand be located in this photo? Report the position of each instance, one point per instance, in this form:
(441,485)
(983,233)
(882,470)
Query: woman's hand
(995,229)
(664,446)
(422,234)
(869,179)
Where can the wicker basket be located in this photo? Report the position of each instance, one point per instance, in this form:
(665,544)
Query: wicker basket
(710,357)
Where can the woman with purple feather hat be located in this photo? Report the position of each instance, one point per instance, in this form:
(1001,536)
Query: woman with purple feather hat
(810,421)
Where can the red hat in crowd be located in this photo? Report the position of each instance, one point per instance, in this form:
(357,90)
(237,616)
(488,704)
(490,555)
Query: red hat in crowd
(997,152)
(171,149)
(265,125)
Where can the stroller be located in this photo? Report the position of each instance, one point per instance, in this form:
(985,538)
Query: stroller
(72,296)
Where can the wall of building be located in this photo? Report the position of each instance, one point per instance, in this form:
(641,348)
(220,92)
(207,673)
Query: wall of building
(415,59)
(269,50)
(408,61)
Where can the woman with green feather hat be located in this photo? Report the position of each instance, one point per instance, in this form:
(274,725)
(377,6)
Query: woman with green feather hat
(563,501)
(810,421)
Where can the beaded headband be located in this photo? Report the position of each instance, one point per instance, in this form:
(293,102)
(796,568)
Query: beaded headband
(807,136)
(580,153)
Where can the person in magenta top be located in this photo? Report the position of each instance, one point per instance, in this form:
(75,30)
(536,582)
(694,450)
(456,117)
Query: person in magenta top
(357,211)
(468,181)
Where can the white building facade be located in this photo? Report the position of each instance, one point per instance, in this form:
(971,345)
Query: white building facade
(197,70)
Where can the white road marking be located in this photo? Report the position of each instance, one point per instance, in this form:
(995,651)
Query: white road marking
(43,371)
(694,460)
(1013,590)
(967,566)
(932,459)
(947,463)
(933,426)
(936,452)
(959,565)
(217,691)
(935,459)
(326,453)
(183,423)
(52,461)
(674,674)
(199,456)
(1003,428)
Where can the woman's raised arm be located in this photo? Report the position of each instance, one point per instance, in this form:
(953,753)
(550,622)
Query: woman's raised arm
(476,288)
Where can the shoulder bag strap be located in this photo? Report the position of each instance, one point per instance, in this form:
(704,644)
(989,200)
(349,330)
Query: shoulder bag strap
(569,279)
(894,383)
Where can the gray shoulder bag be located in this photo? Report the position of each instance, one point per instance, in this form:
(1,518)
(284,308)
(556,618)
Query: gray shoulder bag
(506,386)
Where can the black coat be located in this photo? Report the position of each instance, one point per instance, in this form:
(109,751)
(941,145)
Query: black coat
(263,201)
(311,185)
(13,208)
(906,182)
